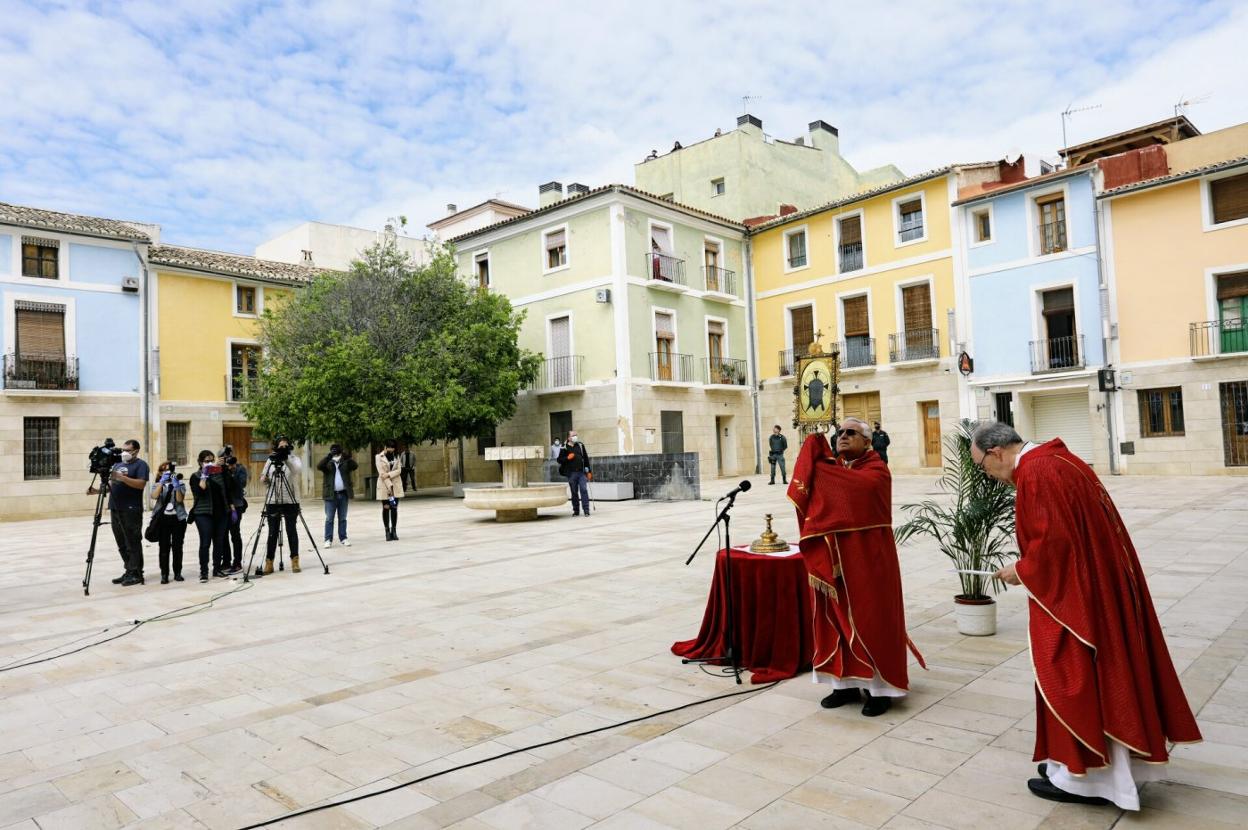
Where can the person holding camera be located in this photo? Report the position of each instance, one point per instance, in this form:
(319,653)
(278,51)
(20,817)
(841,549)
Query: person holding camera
(281,474)
(239,473)
(126,481)
(170,509)
(574,463)
(212,512)
(390,487)
(337,488)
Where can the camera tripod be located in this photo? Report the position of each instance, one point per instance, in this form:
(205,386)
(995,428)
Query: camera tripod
(95,531)
(279,483)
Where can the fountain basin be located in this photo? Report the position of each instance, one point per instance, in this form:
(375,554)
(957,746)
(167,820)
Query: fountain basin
(516,500)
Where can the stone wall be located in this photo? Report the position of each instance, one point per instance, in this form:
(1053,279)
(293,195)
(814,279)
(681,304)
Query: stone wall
(666,477)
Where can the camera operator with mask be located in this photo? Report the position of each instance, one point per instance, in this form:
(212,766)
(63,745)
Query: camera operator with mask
(284,503)
(235,532)
(212,512)
(170,501)
(126,482)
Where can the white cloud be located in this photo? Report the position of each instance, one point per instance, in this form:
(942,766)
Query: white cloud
(226,121)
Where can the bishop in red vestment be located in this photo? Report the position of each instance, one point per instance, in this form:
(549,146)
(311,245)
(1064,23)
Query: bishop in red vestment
(845,520)
(1108,700)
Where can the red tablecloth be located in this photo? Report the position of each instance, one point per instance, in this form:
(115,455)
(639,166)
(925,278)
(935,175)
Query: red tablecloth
(772,615)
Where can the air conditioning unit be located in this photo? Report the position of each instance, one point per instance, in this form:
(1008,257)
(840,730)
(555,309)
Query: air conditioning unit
(603,295)
(130,284)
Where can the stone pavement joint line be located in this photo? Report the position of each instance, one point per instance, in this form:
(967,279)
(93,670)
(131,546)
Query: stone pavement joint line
(468,639)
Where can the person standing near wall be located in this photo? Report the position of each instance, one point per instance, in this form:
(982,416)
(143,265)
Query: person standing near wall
(880,442)
(777,444)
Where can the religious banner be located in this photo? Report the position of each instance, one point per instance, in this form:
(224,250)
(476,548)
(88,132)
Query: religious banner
(816,392)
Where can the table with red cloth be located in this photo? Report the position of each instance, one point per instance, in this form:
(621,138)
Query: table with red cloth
(772,608)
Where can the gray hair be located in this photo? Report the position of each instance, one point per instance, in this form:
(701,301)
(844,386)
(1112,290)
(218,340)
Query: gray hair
(989,434)
(866,428)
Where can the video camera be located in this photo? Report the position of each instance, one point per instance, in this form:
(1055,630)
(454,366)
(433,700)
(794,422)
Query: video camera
(101,459)
(280,454)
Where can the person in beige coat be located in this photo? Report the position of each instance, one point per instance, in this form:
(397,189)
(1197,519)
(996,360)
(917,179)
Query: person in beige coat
(390,487)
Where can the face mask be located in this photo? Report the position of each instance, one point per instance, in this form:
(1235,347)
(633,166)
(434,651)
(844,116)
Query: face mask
(126,456)
(571,439)
(337,458)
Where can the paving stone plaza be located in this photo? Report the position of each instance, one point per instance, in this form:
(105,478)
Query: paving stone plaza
(467,639)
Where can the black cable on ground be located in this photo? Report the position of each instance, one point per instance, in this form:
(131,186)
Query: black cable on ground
(361,797)
(135,625)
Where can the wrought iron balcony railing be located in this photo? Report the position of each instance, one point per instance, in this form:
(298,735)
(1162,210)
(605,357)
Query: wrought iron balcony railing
(672,367)
(665,268)
(559,373)
(725,371)
(857,352)
(40,371)
(850,256)
(914,344)
(1214,337)
(788,360)
(1057,354)
(720,280)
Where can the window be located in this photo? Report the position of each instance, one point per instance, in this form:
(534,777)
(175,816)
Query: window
(1052,210)
(802,325)
(561,424)
(177,441)
(245,299)
(1233,400)
(717,187)
(918,340)
(1232,294)
(856,317)
(41,448)
(244,368)
(672,425)
(307,256)
(715,341)
(40,258)
(1161,412)
(849,243)
(1230,198)
(556,243)
(1060,348)
(664,344)
(910,220)
(482,262)
(981,221)
(795,248)
(714,274)
(39,360)
(1005,407)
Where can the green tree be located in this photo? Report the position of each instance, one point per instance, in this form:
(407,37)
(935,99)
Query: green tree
(389,349)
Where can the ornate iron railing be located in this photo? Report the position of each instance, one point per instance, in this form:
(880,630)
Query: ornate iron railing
(1057,354)
(914,344)
(665,268)
(725,371)
(1214,337)
(40,371)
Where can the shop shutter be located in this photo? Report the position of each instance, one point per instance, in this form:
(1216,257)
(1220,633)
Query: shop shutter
(1230,198)
(1065,417)
(856,322)
(40,330)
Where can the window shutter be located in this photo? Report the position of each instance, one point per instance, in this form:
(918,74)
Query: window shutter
(1230,198)
(855,311)
(41,242)
(1061,299)
(554,240)
(803,323)
(560,337)
(664,327)
(40,330)
(916,301)
(851,230)
(1231,286)
(913,206)
(714,327)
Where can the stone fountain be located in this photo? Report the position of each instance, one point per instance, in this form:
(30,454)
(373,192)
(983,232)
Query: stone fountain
(516,500)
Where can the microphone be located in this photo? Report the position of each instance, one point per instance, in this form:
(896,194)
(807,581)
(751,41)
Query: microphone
(740,488)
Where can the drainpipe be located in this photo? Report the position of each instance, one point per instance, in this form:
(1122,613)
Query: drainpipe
(751,329)
(145,306)
(1102,286)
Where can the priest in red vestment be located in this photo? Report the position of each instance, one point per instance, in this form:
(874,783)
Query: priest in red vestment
(1108,700)
(845,520)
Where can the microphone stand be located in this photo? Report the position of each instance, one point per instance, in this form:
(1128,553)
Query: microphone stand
(731,652)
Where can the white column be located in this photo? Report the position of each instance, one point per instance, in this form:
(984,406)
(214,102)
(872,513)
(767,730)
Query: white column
(623,342)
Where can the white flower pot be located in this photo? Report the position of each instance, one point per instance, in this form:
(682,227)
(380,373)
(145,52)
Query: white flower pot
(975,617)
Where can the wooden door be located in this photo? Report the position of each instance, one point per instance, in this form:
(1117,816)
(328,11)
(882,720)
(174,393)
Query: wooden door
(249,451)
(929,413)
(864,405)
(1234,400)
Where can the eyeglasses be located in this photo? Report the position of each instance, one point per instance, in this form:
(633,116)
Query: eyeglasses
(848,432)
(980,463)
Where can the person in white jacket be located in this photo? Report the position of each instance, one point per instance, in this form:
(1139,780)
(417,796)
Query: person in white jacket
(390,487)
(281,473)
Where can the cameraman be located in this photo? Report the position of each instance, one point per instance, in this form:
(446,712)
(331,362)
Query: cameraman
(239,473)
(281,473)
(126,482)
(337,488)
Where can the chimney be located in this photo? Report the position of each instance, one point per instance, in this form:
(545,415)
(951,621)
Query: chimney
(549,193)
(451,209)
(747,120)
(577,189)
(824,136)
(786,210)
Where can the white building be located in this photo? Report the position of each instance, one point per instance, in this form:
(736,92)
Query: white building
(459,222)
(333,247)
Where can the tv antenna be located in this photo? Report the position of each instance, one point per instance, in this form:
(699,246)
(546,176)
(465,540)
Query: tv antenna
(1180,108)
(745,102)
(1068,112)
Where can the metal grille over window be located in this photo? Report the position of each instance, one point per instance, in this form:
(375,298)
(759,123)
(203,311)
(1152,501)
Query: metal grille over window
(179,439)
(41,448)
(1233,398)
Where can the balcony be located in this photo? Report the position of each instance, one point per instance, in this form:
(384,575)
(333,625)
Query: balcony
(666,272)
(560,374)
(857,352)
(788,361)
(1052,236)
(723,371)
(914,344)
(1057,354)
(850,257)
(720,282)
(1219,337)
(40,372)
(670,367)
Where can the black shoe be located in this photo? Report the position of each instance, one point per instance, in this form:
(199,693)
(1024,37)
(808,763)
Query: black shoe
(218,573)
(132,579)
(840,697)
(876,706)
(773,481)
(203,576)
(1044,789)
(233,569)
(121,578)
(786,481)
(164,579)
(576,512)
(1043,769)
(394,536)
(178,577)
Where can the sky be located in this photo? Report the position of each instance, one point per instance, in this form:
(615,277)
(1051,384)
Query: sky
(228,122)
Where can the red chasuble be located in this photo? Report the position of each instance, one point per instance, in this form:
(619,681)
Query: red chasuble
(844,517)
(1102,667)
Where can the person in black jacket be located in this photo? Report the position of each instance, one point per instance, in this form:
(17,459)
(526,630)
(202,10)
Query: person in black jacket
(574,463)
(880,442)
(212,512)
(776,446)
(337,488)
(235,531)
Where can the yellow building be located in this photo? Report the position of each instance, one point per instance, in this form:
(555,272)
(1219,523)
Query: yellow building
(1177,263)
(874,275)
(208,308)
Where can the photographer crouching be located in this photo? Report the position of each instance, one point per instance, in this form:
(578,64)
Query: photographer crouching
(281,474)
(126,481)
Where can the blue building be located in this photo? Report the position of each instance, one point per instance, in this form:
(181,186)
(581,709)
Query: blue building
(71,294)
(1033,296)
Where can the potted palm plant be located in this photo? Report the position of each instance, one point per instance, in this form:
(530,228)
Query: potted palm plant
(975,529)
